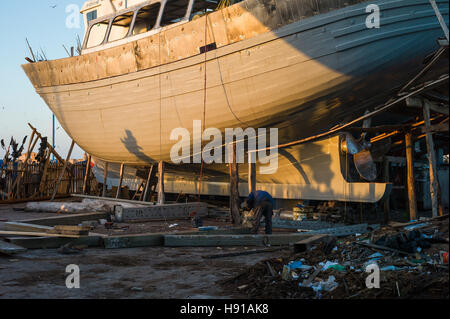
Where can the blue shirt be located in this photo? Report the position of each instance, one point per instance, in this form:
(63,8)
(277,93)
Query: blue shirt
(256,198)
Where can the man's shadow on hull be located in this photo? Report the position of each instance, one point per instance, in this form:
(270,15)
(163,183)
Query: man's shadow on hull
(131,145)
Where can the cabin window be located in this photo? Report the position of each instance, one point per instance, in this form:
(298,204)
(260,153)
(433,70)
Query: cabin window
(120,26)
(202,6)
(174,11)
(97,34)
(92,15)
(146,18)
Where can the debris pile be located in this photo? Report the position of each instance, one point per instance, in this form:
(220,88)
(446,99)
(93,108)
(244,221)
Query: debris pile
(412,260)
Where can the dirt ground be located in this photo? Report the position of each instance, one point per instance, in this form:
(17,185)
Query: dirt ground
(153,272)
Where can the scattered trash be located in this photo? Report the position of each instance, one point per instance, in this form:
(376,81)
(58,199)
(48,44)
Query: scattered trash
(109,225)
(69,249)
(415,226)
(414,261)
(197,222)
(328,285)
(376,255)
(444,257)
(207,228)
(136,289)
(327,265)
(173,225)
(288,270)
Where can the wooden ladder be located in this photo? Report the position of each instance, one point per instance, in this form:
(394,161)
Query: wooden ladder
(147,188)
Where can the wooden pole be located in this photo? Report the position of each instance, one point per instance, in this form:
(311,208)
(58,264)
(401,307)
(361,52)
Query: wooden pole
(50,147)
(251,173)
(161,197)
(53,151)
(105,179)
(387,208)
(66,163)
(31,146)
(410,176)
(234,185)
(119,186)
(44,174)
(86,174)
(431,160)
(151,173)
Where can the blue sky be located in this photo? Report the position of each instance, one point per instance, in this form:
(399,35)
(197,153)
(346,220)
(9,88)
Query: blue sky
(45,28)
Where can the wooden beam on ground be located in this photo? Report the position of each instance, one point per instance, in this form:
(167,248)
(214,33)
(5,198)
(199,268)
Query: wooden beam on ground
(5,233)
(86,175)
(55,242)
(66,162)
(303,225)
(10,249)
(74,219)
(132,241)
(431,162)
(234,185)
(119,200)
(17,226)
(245,252)
(161,196)
(119,186)
(345,230)
(25,200)
(232,240)
(307,243)
(410,176)
(157,239)
(105,179)
(160,212)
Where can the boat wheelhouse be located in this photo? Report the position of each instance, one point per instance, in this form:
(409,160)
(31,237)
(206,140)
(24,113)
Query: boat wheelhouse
(116,22)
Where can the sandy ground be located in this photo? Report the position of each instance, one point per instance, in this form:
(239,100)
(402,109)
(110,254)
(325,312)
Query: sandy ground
(153,272)
(156,272)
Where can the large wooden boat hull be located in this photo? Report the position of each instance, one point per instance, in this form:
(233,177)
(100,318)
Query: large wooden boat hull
(272,68)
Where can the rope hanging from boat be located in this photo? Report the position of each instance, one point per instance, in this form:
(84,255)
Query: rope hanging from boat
(223,4)
(204,108)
